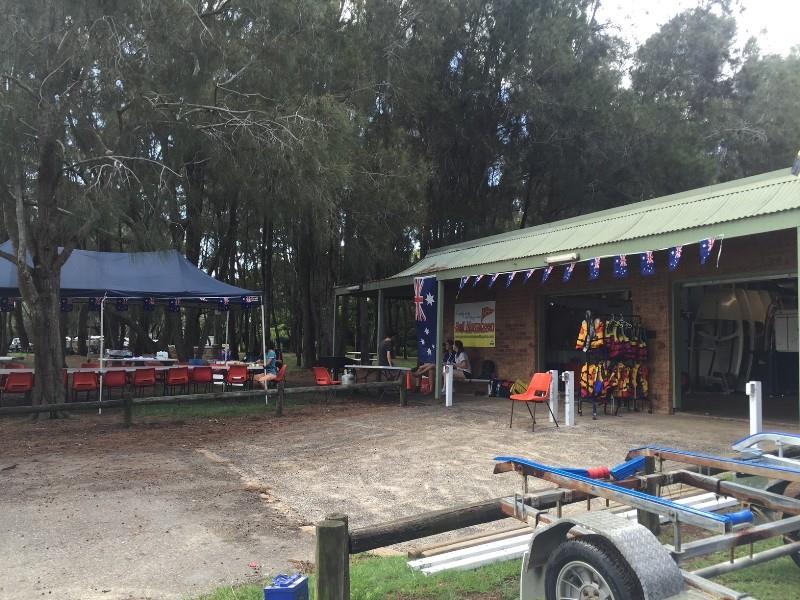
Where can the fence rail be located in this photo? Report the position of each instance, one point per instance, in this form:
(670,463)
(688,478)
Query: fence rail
(128,402)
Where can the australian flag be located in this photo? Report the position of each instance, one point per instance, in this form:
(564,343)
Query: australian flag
(6,305)
(122,304)
(546,273)
(620,266)
(149,304)
(493,279)
(477,279)
(94,304)
(594,268)
(66,305)
(425,289)
(648,263)
(528,274)
(706,247)
(462,284)
(568,272)
(675,257)
(174,305)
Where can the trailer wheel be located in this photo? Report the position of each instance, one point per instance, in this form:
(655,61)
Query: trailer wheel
(792,491)
(590,568)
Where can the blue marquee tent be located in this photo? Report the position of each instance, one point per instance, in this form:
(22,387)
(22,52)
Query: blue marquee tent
(165,274)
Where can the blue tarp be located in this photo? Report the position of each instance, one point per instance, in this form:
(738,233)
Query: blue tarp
(89,274)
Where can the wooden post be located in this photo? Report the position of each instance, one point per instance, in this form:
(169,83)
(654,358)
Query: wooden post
(345,549)
(279,404)
(331,562)
(647,519)
(403,390)
(127,409)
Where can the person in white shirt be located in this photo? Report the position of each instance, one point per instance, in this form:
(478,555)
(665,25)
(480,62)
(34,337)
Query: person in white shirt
(463,369)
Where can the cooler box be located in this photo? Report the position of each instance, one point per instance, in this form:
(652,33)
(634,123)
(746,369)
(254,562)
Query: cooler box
(287,587)
(425,386)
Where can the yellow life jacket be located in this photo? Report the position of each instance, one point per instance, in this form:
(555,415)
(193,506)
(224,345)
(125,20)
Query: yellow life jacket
(583,334)
(599,339)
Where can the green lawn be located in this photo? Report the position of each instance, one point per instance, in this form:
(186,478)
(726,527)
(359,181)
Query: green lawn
(372,578)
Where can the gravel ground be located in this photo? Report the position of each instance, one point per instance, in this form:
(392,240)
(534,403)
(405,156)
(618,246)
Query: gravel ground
(171,509)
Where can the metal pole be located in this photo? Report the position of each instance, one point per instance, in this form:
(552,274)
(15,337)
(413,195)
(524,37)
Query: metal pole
(569,397)
(439,337)
(753,389)
(379,326)
(264,345)
(448,385)
(226,353)
(553,396)
(102,348)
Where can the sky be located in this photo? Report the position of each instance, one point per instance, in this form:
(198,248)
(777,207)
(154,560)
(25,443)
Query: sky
(776,23)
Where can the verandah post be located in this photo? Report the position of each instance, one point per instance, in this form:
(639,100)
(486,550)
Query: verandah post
(332,558)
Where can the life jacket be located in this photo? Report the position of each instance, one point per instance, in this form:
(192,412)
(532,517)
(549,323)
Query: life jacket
(643,382)
(598,340)
(583,336)
(642,345)
(588,376)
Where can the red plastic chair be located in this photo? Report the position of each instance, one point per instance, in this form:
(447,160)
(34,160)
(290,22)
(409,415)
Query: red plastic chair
(279,378)
(202,376)
(17,383)
(115,380)
(144,378)
(538,392)
(177,377)
(90,365)
(236,376)
(323,377)
(84,382)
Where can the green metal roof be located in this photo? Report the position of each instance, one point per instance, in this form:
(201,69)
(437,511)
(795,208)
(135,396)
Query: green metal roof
(759,204)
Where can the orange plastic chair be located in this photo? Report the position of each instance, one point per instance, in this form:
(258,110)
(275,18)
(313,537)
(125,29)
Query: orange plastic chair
(177,377)
(17,383)
(202,376)
(114,380)
(323,377)
(84,382)
(143,378)
(538,392)
(237,375)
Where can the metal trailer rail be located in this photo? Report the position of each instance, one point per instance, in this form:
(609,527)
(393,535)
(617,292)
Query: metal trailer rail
(598,554)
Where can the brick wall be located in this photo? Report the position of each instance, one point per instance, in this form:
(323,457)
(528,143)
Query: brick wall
(516,352)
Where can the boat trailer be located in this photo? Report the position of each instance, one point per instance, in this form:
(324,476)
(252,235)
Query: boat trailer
(602,555)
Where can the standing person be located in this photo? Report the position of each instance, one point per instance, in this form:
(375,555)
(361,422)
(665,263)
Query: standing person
(270,366)
(386,357)
(463,369)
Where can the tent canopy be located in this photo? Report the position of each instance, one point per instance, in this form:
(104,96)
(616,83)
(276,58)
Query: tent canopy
(164,274)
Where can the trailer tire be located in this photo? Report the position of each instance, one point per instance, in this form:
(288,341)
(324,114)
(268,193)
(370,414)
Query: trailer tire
(792,491)
(590,568)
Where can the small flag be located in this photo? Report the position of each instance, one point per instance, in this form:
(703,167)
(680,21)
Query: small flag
(463,283)
(528,274)
(6,305)
(493,279)
(174,305)
(66,306)
(149,305)
(477,279)
(122,304)
(621,266)
(594,269)
(675,257)
(546,273)
(568,272)
(648,263)
(706,247)
(796,165)
(223,305)
(510,278)
(94,304)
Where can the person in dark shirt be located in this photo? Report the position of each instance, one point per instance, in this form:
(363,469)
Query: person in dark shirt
(386,358)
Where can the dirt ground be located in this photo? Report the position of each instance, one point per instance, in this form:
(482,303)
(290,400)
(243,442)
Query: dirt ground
(172,509)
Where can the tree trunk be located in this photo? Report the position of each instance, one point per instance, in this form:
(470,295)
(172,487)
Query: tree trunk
(48,387)
(22,331)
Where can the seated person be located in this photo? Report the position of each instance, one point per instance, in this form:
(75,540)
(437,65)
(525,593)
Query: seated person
(462,370)
(270,367)
(448,358)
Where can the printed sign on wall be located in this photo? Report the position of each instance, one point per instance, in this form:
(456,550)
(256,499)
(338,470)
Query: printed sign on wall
(474,324)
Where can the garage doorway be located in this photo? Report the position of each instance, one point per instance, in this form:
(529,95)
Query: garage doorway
(729,333)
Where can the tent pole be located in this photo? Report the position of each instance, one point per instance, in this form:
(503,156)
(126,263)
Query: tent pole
(227,353)
(102,349)
(264,346)
(333,332)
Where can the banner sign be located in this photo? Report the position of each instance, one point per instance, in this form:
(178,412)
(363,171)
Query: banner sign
(475,324)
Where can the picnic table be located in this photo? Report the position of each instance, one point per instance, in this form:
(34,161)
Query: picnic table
(6,359)
(140,360)
(379,368)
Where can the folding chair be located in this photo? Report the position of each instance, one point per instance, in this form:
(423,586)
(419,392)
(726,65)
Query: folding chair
(538,392)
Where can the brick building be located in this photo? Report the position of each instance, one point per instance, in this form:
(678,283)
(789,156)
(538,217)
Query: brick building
(710,327)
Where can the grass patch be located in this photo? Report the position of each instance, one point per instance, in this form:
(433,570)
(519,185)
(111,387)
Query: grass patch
(373,578)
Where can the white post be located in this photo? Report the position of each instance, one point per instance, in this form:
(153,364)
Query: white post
(226,353)
(754,391)
(333,331)
(553,396)
(569,398)
(379,326)
(439,337)
(102,349)
(264,346)
(448,385)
